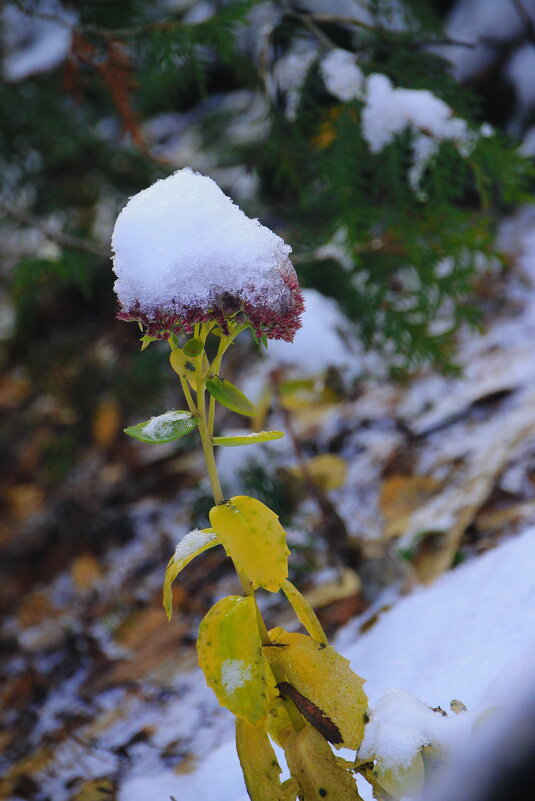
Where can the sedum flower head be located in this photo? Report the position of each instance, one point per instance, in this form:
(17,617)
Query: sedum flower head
(184,253)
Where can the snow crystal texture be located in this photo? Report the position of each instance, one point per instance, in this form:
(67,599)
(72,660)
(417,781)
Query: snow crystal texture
(341,75)
(162,425)
(191,542)
(182,244)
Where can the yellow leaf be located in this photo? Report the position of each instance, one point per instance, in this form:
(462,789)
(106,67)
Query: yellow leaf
(407,780)
(106,422)
(278,719)
(190,546)
(327,470)
(323,676)
(305,613)
(85,572)
(313,766)
(401,496)
(231,658)
(254,539)
(96,790)
(258,762)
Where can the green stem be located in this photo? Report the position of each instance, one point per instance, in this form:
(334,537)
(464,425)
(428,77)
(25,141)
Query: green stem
(205,426)
(224,345)
(207,445)
(216,364)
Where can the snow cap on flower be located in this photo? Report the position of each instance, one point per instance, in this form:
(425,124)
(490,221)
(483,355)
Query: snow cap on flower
(184,253)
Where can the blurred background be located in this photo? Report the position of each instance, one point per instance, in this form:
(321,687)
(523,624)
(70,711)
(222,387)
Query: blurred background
(405,399)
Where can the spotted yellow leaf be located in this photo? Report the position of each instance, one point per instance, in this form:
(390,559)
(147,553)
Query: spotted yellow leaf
(313,766)
(324,677)
(259,764)
(254,539)
(231,658)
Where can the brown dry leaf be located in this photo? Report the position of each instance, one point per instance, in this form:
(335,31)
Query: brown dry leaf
(33,609)
(327,470)
(14,388)
(498,443)
(400,496)
(96,790)
(152,640)
(25,500)
(85,572)
(187,765)
(28,766)
(106,423)
(140,626)
(490,520)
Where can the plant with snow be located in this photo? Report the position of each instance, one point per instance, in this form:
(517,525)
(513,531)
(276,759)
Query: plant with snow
(191,266)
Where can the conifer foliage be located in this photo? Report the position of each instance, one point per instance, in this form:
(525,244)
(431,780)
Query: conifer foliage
(347,133)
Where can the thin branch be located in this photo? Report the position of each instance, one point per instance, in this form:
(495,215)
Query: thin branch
(309,20)
(60,238)
(526,19)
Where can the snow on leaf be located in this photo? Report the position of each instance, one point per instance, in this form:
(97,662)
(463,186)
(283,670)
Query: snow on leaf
(190,546)
(231,658)
(163,428)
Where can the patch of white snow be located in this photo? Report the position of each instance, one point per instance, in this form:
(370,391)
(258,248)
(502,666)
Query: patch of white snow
(341,74)
(182,242)
(235,673)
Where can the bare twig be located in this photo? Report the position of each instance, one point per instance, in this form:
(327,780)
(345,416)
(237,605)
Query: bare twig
(333,526)
(60,238)
(526,19)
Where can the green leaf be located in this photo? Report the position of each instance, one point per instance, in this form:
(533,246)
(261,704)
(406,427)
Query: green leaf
(254,539)
(229,396)
(190,546)
(146,340)
(305,614)
(248,439)
(193,347)
(231,658)
(163,428)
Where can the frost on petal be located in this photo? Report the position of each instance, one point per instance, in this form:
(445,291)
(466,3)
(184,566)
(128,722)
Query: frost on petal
(184,253)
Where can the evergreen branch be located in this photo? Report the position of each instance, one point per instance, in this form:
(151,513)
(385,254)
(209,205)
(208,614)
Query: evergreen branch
(109,34)
(60,238)
(309,20)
